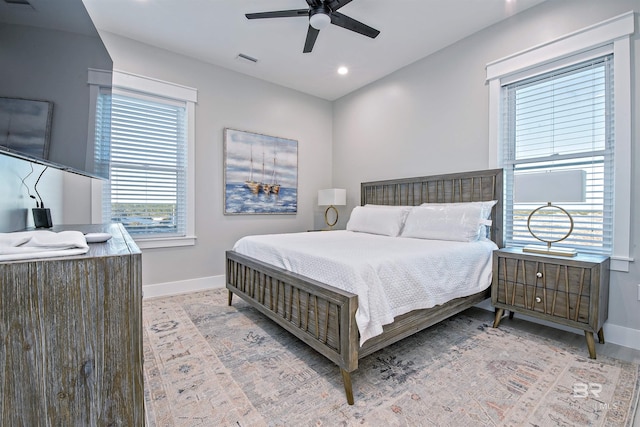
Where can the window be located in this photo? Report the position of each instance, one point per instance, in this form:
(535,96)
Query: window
(100,123)
(559,121)
(600,57)
(150,190)
(148,166)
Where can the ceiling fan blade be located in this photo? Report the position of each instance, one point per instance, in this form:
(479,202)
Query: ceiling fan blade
(337,4)
(344,21)
(312,35)
(315,3)
(278,14)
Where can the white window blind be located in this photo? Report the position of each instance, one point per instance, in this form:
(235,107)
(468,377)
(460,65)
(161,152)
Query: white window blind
(559,121)
(102,152)
(147,187)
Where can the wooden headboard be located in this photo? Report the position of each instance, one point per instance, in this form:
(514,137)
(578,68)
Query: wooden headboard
(477,186)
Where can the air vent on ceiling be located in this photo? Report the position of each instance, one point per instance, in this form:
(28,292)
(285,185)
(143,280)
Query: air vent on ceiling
(23,2)
(246,57)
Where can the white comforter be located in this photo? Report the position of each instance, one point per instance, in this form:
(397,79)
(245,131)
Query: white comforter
(390,275)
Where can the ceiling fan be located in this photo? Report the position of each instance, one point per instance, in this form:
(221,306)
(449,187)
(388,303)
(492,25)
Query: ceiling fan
(320,14)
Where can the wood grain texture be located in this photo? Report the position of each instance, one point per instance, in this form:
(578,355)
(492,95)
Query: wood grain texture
(477,186)
(306,307)
(71,334)
(320,315)
(569,291)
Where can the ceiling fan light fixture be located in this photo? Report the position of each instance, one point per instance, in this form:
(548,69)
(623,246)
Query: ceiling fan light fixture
(319,18)
(320,14)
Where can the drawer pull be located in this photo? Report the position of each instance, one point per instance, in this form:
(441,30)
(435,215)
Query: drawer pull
(538,299)
(538,275)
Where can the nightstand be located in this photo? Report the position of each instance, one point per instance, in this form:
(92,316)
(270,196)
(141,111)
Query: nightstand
(569,291)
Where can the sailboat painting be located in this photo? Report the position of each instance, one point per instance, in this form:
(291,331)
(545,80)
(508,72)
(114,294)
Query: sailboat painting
(260,174)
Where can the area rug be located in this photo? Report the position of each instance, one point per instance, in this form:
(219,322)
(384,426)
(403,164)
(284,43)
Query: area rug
(208,364)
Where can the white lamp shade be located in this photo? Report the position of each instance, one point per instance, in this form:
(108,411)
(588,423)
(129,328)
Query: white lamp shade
(332,196)
(555,187)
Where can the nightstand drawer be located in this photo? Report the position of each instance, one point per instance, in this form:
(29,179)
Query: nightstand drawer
(554,303)
(570,291)
(545,287)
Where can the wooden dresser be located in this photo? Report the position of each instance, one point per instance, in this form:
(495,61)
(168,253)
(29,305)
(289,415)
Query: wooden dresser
(71,331)
(573,291)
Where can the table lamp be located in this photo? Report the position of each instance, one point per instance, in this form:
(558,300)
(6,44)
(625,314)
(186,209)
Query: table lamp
(332,197)
(549,188)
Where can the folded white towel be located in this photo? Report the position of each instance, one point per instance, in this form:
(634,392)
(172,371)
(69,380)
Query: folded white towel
(13,239)
(41,244)
(62,240)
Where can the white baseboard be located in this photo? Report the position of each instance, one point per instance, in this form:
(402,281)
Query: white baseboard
(622,335)
(183,286)
(615,334)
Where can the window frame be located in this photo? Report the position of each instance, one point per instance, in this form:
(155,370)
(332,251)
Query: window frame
(132,84)
(615,35)
(593,161)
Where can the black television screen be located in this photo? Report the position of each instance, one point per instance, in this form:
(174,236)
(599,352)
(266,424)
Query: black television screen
(54,81)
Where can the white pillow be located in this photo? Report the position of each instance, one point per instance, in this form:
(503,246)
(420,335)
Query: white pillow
(463,222)
(378,219)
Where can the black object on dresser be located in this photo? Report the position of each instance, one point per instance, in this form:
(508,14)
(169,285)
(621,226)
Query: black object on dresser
(569,291)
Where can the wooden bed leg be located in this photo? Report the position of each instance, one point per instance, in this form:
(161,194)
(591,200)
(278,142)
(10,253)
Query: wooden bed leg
(230,296)
(346,378)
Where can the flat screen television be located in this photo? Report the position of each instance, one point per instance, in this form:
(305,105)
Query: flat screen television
(55,79)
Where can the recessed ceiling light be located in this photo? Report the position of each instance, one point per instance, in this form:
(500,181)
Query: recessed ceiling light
(343,70)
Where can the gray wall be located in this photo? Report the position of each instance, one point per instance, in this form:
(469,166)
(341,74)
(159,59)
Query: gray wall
(229,99)
(432,116)
(15,203)
(225,99)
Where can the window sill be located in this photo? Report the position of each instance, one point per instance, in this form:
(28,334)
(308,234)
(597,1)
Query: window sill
(620,264)
(164,242)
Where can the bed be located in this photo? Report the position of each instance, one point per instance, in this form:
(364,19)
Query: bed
(324,316)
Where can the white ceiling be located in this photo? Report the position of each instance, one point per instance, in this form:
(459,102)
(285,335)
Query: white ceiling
(216,31)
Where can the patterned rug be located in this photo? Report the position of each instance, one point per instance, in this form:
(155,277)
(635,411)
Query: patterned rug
(208,364)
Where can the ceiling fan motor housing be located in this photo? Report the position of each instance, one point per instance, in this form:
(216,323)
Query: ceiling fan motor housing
(320,16)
